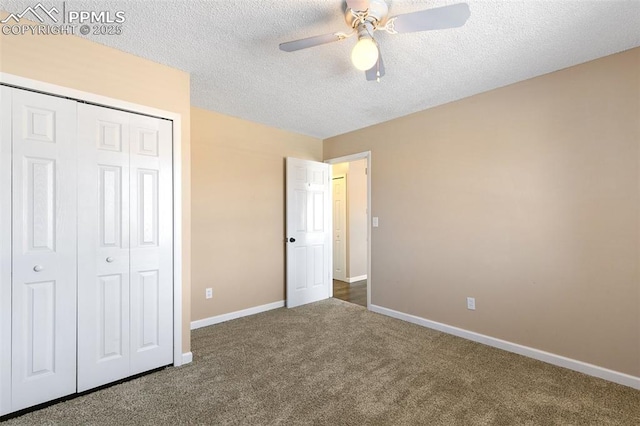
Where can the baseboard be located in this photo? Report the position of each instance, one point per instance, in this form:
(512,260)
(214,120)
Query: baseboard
(560,361)
(355,279)
(187,358)
(234,315)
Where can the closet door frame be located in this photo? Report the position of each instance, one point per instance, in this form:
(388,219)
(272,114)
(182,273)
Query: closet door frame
(5,209)
(5,250)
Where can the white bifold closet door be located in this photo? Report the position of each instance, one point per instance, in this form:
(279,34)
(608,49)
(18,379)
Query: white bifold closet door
(43,250)
(125,231)
(86,237)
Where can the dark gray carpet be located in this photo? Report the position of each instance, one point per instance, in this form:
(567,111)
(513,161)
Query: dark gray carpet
(335,363)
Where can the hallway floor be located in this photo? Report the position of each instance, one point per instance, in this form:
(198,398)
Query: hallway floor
(354,293)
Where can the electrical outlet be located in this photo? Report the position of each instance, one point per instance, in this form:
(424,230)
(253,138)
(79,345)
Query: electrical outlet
(471,303)
(209,293)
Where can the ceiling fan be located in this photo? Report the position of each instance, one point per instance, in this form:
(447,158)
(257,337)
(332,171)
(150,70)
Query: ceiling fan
(367,16)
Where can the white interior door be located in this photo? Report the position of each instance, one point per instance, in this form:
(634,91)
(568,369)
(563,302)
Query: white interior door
(151,265)
(103,246)
(339,227)
(43,248)
(308,209)
(115,202)
(125,297)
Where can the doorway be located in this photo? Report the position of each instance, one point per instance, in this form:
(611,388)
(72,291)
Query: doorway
(351,228)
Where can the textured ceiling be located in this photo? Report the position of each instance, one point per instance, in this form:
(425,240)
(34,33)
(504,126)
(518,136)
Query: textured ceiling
(230,48)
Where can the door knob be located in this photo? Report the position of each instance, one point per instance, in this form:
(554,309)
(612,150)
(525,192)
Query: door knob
(292,240)
(110,259)
(38,268)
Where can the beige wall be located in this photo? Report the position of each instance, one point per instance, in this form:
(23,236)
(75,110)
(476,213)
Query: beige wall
(526,198)
(238,210)
(82,65)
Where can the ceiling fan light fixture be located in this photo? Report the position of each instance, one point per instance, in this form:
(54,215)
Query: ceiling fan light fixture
(365,17)
(364,54)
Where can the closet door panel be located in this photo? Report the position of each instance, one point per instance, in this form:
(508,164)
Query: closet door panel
(103,246)
(151,244)
(125,245)
(43,248)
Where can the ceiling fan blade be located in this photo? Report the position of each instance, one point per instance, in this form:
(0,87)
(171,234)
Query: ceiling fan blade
(439,18)
(304,43)
(377,71)
(358,5)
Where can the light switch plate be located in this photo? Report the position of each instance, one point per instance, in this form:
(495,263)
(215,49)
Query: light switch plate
(375,221)
(471,303)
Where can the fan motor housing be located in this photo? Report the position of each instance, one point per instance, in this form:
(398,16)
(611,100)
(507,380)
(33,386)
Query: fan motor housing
(375,14)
